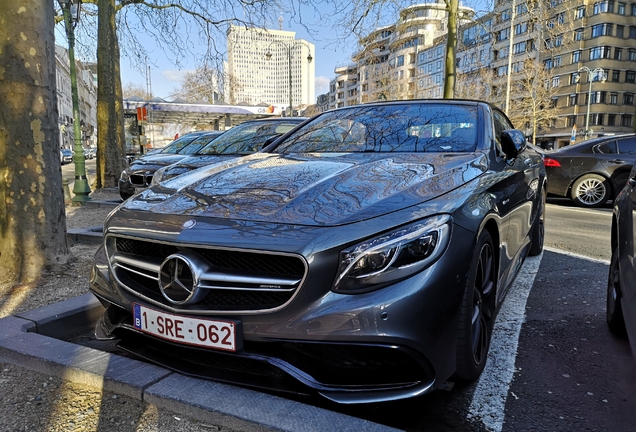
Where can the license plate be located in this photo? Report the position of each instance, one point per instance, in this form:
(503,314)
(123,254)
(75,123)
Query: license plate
(207,333)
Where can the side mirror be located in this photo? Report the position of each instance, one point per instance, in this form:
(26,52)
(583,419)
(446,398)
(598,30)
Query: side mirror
(270,140)
(513,142)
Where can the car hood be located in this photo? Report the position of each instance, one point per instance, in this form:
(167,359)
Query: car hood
(311,189)
(191,163)
(154,162)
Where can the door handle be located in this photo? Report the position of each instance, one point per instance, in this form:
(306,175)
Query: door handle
(617,161)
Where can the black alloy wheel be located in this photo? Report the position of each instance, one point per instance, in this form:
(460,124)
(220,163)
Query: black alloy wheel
(613,312)
(537,232)
(478,312)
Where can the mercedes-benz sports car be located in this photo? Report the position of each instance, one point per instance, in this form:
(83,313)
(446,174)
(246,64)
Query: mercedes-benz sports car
(363,256)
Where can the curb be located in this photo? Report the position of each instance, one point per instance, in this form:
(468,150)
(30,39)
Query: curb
(28,340)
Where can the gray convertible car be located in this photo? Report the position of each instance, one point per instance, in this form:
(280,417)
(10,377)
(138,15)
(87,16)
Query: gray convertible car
(363,256)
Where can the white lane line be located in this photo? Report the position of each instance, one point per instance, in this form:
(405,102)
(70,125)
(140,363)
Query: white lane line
(489,400)
(575,255)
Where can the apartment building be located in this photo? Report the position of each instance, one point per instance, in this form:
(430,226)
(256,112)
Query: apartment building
(386,65)
(261,64)
(87,98)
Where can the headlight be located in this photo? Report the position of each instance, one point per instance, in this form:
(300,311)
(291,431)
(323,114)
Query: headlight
(392,256)
(124,175)
(158,176)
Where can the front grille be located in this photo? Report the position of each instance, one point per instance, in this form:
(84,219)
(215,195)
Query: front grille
(136,264)
(140,180)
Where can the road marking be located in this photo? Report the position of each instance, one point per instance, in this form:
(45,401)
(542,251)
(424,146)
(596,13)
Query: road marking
(489,400)
(596,212)
(575,255)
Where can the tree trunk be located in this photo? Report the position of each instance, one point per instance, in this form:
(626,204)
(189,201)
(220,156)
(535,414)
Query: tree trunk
(451,44)
(111,143)
(32,214)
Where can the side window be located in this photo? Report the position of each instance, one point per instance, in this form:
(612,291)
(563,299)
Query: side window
(501,124)
(608,147)
(627,146)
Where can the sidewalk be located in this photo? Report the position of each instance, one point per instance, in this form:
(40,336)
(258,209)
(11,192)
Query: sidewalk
(52,385)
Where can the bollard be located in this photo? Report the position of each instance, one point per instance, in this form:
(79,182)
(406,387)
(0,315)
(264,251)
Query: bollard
(67,191)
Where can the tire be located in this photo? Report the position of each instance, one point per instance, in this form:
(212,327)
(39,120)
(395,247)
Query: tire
(591,190)
(124,196)
(613,311)
(477,314)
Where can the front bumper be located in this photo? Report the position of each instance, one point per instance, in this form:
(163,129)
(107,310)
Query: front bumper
(392,343)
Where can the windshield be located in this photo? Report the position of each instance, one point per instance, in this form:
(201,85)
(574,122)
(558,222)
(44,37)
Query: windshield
(200,142)
(415,127)
(178,144)
(247,138)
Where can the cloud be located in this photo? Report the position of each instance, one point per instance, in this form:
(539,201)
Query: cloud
(175,75)
(322,85)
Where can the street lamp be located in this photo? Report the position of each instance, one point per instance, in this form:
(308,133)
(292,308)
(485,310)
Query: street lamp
(591,75)
(289,48)
(81,189)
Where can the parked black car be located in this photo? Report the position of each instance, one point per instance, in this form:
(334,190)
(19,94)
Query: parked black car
(141,171)
(241,140)
(363,256)
(592,172)
(621,285)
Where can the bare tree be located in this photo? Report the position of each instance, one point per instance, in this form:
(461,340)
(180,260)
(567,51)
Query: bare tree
(32,218)
(131,90)
(535,108)
(201,85)
(451,46)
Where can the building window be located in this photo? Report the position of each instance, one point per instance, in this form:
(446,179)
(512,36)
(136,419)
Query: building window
(503,34)
(556,81)
(521,9)
(574,76)
(631,55)
(576,56)
(611,119)
(618,53)
(626,120)
(505,15)
(633,9)
(502,70)
(400,60)
(603,6)
(597,119)
(616,75)
(519,48)
(620,31)
(571,120)
(628,99)
(613,100)
(632,32)
(630,77)
(598,97)
(621,9)
(580,12)
(602,30)
(557,61)
(600,52)
(572,99)
(578,34)
(521,28)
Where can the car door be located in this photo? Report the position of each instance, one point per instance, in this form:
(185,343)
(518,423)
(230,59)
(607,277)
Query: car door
(620,166)
(628,272)
(519,189)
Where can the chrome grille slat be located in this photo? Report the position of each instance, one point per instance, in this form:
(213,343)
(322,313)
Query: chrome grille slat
(148,264)
(240,279)
(130,269)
